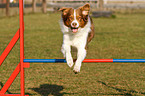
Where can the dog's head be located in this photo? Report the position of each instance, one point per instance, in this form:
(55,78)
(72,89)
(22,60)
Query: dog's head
(75,18)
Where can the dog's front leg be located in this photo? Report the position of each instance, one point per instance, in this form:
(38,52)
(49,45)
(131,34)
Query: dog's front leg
(80,57)
(66,50)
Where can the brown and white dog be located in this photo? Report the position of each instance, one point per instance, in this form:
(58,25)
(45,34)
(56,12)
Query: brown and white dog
(78,30)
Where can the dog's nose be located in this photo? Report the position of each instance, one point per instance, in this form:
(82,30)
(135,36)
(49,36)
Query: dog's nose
(74,24)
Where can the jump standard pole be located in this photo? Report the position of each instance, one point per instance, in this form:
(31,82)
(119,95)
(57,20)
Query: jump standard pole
(20,67)
(21,20)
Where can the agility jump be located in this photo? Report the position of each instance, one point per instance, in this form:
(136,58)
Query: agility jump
(85,61)
(25,63)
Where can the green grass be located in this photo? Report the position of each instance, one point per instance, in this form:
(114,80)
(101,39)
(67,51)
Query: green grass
(120,37)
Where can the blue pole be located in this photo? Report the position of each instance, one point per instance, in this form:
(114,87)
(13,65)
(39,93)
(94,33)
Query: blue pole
(86,60)
(45,60)
(129,60)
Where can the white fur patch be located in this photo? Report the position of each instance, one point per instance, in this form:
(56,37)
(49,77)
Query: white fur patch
(85,12)
(75,19)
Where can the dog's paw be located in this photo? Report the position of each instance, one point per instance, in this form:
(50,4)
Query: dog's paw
(70,62)
(76,69)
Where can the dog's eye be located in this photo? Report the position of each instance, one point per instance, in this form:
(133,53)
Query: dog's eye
(79,18)
(70,18)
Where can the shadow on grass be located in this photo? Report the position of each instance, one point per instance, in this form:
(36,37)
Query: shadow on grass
(8,92)
(47,89)
(1,84)
(122,91)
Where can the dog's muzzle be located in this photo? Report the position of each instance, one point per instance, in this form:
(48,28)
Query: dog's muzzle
(74,26)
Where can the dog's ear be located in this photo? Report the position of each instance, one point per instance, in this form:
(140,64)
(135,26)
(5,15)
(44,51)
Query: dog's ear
(64,10)
(85,9)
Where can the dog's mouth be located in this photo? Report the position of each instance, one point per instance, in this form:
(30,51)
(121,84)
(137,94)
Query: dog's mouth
(74,29)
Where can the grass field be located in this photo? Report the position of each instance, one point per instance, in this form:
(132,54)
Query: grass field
(122,37)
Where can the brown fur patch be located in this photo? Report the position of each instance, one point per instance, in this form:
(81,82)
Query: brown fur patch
(91,34)
(67,15)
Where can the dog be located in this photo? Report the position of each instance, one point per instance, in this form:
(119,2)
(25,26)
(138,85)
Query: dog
(78,30)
